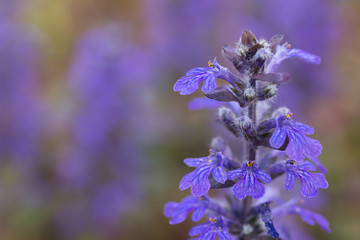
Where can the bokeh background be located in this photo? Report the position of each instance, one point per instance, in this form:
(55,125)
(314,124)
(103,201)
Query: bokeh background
(92,137)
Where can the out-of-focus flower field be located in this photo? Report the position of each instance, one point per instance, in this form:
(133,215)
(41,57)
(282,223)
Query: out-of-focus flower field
(92,136)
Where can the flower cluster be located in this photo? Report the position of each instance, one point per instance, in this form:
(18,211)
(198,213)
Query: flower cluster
(245,112)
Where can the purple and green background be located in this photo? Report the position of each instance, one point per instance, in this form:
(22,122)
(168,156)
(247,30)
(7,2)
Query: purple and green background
(92,137)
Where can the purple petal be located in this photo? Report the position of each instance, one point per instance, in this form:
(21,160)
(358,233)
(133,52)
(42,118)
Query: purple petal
(187,85)
(295,147)
(309,218)
(198,214)
(209,83)
(185,182)
(219,174)
(306,165)
(236,173)
(307,57)
(200,229)
(308,187)
(290,181)
(198,71)
(196,162)
(322,222)
(200,184)
(300,146)
(318,164)
(203,103)
(278,137)
(248,186)
(305,215)
(262,176)
(207,236)
(320,180)
(179,218)
(170,208)
(312,147)
(303,128)
(224,235)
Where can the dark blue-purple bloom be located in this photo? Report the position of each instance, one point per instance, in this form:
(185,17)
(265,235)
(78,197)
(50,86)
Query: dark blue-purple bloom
(300,145)
(249,184)
(215,227)
(265,213)
(310,182)
(179,211)
(190,83)
(198,179)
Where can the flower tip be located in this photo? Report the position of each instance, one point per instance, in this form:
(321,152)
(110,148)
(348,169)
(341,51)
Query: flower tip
(317,60)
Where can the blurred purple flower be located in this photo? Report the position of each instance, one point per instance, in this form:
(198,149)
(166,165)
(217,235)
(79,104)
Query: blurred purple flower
(292,207)
(108,82)
(179,211)
(21,120)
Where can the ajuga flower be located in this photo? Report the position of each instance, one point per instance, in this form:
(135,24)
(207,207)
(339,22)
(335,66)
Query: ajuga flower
(190,83)
(198,179)
(284,52)
(249,184)
(300,145)
(310,182)
(243,114)
(179,211)
(293,207)
(215,227)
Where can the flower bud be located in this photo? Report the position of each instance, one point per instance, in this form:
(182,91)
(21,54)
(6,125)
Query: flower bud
(245,126)
(227,117)
(249,94)
(269,91)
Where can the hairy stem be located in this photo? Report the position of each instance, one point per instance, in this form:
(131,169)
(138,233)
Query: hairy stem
(251,154)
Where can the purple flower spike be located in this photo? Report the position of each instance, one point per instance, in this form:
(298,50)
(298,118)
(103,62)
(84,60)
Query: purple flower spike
(198,179)
(249,184)
(179,211)
(215,227)
(190,83)
(299,145)
(284,52)
(310,182)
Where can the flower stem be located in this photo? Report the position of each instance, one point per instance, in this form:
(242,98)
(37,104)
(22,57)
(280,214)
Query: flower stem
(251,154)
